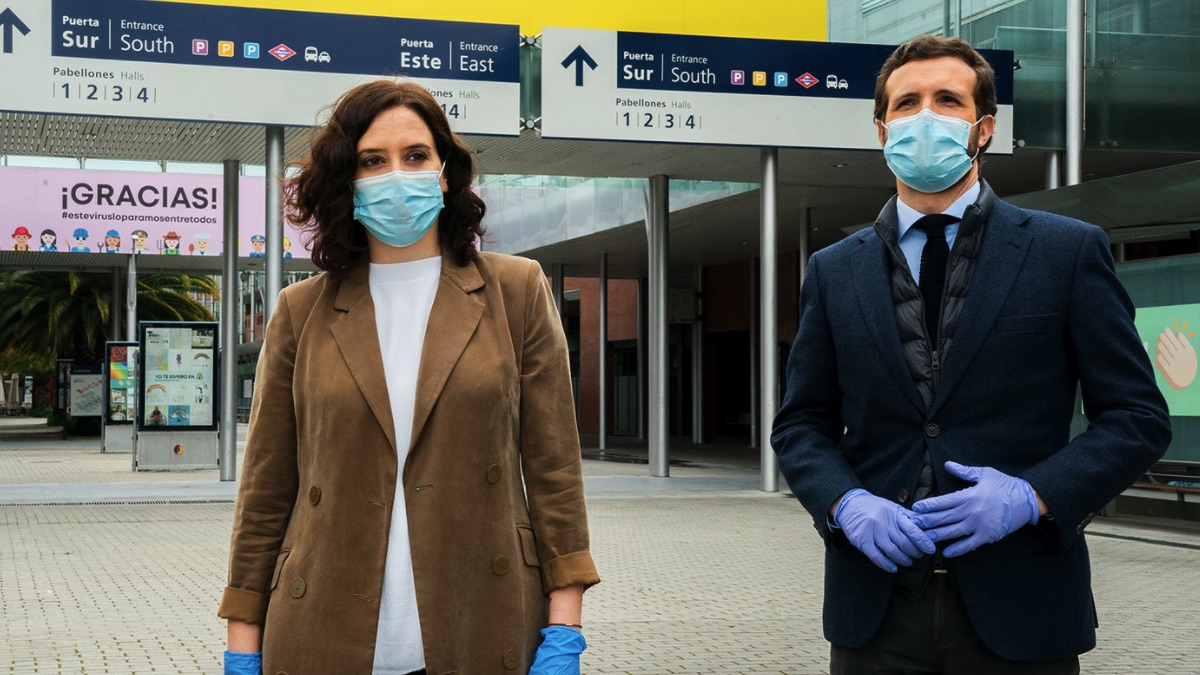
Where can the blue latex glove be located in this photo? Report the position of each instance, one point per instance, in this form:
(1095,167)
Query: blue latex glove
(237,663)
(995,507)
(881,529)
(559,653)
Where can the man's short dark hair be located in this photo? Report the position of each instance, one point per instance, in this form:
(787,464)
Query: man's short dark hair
(928,47)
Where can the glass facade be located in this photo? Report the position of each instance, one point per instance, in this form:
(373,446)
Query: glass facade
(1142,61)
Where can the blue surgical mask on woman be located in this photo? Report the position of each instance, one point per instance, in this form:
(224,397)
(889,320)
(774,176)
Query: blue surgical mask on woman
(399,207)
(928,151)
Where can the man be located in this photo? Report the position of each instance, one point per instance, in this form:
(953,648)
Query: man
(21,236)
(930,392)
(138,238)
(79,241)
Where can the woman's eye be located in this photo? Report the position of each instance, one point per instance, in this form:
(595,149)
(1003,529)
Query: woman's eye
(418,157)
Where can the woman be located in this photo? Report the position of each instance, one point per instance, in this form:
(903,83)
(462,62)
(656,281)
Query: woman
(411,493)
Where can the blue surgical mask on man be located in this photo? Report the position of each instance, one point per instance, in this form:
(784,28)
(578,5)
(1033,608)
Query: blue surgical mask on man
(928,151)
(399,207)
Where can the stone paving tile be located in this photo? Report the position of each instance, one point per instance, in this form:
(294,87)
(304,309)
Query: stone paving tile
(717,585)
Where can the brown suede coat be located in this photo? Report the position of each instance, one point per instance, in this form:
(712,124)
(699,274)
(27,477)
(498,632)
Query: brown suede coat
(493,406)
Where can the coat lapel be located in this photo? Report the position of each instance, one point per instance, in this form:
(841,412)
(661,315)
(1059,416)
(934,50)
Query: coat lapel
(873,287)
(453,320)
(1005,244)
(358,340)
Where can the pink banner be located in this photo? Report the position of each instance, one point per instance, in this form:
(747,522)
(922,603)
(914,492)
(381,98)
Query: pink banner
(125,212)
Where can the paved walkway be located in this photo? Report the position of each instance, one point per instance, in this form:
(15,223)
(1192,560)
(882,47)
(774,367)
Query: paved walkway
(106,571)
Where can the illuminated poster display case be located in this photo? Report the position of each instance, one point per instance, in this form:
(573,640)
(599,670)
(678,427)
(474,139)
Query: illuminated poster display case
(178,367)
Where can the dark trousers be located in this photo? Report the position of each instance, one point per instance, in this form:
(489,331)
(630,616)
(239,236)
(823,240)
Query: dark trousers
(933,634)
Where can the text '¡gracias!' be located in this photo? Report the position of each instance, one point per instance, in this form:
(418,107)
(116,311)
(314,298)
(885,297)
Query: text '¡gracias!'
(103,194)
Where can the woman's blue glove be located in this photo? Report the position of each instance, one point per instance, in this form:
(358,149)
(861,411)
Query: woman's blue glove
(993,508)
(883,530)
(237,663)
(559,653)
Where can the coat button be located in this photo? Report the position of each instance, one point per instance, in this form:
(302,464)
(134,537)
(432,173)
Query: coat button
(493,474)
(903,496)
(510,658)
(314,495)
(297,588)
(932,430)
(500,566)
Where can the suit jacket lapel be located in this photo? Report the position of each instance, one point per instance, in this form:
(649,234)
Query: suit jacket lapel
(358,340)
(1005,244)
(873,287)
(453,320)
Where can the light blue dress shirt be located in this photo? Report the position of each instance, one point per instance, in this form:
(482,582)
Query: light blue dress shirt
(912,240)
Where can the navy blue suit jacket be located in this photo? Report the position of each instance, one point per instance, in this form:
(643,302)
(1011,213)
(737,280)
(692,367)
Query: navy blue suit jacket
(1044,314)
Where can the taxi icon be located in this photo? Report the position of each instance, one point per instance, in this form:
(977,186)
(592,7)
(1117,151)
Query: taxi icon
(323,57)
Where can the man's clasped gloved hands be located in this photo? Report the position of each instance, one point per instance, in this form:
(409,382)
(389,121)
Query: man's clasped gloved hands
(891,535)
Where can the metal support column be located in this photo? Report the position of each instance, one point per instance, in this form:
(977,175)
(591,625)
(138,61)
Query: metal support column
(768,332)
(1075,92)
(754,355)
(1054,169)
(602,375)
(698,362)
(274,219)
(114,307)
(656,225)
(252,286)
(556,286)
(805,244)
(131,300)
(641,359)
(1119,253)
(230,313)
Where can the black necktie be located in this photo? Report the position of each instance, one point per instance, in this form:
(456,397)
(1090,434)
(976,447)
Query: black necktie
(933,269)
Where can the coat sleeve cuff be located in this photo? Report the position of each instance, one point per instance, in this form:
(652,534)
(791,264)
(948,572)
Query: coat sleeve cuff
(242,605)
(571,569)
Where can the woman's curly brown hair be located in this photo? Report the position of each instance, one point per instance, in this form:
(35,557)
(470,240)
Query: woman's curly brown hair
(320,199)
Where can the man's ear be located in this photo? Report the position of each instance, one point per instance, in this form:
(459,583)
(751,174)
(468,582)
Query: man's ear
(987,127)
(881,130)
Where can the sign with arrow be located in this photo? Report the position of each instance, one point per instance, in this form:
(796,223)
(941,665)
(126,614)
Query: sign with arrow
(8,22)
(171,60)
(579,58)
(610,85)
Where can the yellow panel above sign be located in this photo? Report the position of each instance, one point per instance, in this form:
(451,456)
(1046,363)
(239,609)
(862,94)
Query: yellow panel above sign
(764,19)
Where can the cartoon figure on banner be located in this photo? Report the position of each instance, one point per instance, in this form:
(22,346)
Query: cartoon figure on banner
(112,242)
(49,242)
(22,237)
(79,241)
(287,247)
(201,244)
(259,244)
(169,245)
(138,239)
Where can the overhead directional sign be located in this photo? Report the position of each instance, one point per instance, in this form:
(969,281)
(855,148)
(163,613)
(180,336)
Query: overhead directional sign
(610,85)
(172,60)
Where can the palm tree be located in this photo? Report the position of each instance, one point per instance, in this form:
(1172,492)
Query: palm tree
(49,315)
